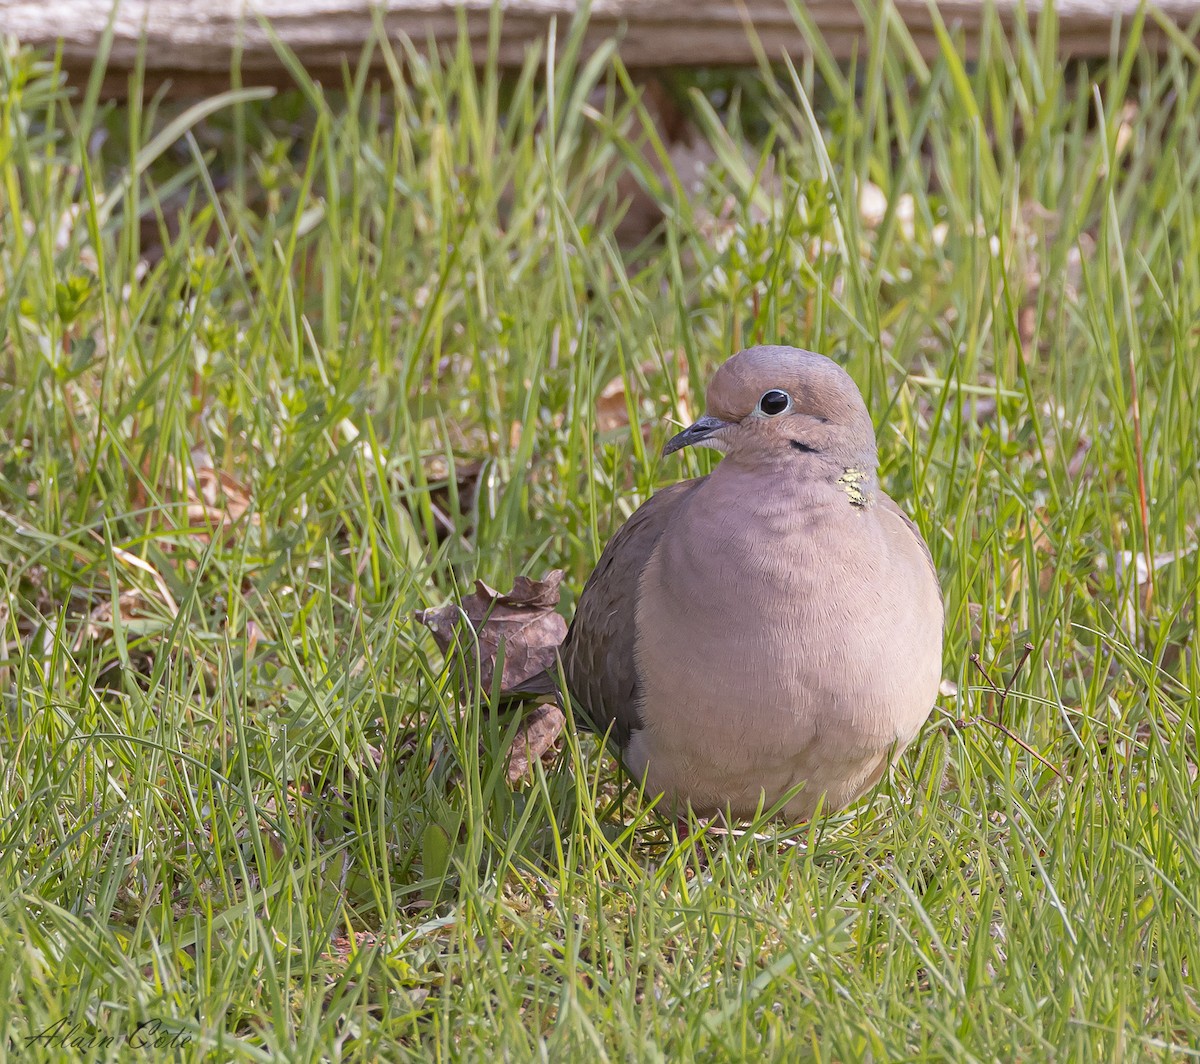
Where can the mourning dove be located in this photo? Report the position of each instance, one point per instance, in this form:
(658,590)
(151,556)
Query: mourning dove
(775,623)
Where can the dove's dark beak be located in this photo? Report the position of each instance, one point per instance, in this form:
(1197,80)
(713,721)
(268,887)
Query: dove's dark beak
(695,433)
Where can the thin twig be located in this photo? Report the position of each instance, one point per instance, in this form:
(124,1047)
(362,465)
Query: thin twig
(1012,679)
(1021,743)
(978,663)
(1004,692)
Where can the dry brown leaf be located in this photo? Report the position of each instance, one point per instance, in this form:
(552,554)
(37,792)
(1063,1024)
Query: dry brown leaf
(131,606)
(612,407)
(134,562)
(343,947)
(612,412)
(100,617)
(534,738)
(467,472)
(523,621)
(215,499)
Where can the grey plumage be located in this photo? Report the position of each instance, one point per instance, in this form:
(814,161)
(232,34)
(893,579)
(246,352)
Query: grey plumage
(598,651)
(777,622)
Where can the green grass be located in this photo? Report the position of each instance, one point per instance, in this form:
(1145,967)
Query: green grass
(239,792)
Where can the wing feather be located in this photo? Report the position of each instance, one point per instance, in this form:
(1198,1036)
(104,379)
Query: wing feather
(890,506)
(597,654)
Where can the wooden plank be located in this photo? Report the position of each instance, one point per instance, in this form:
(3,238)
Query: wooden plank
(192,41)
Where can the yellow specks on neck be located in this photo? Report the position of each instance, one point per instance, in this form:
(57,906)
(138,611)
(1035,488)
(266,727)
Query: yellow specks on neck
(851,482)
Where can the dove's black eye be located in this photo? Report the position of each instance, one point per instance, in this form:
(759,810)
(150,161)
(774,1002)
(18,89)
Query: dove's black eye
(774,402)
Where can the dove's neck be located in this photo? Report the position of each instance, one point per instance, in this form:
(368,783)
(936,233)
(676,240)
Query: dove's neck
(796,477)
(771,532)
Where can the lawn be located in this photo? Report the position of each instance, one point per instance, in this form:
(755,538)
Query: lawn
(281,369)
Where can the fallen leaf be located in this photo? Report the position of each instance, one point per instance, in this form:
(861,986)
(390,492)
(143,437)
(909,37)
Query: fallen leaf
(135,562)
(523,622)
(216,499)
(535,736)
(132,611)
(445,504)
(612,412)
(100,617)
(612,404)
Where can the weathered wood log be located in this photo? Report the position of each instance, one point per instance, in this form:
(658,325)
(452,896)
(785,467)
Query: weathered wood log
(192,41)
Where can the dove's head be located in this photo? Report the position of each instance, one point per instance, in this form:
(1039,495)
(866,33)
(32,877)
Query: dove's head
(779,404)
